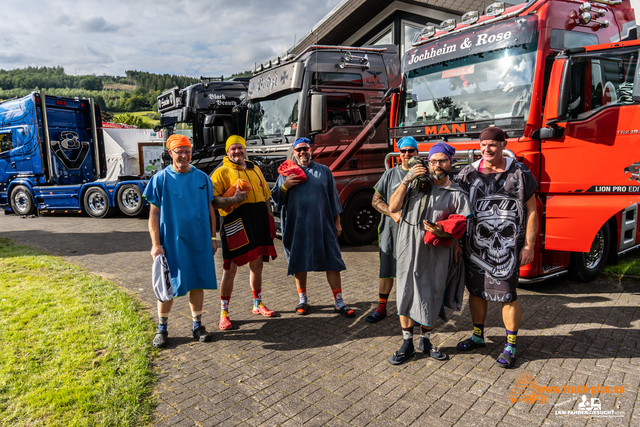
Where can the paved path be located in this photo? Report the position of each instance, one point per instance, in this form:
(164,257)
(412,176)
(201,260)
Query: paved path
(323,369)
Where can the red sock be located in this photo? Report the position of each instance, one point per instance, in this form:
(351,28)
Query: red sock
(382,305)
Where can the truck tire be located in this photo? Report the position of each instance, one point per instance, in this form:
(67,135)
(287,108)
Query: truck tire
(586,266)
(360,221)
(96,203)
(21,201)
(130,200)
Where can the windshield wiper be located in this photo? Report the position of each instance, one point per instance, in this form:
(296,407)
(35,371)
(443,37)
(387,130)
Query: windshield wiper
(253,137)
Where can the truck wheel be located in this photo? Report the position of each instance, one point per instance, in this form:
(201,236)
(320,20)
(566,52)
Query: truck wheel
(130,200)
(360,221)
(96,203)
(21,201)
(586,266)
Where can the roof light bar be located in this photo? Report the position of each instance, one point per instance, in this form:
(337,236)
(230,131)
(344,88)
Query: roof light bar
(495,9)
(448,25)
(471,17)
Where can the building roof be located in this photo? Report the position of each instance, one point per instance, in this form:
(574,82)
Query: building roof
(351,15)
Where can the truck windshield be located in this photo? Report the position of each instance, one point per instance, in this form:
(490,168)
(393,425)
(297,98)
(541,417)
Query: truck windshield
(494,85)
(273,117)
(183,128)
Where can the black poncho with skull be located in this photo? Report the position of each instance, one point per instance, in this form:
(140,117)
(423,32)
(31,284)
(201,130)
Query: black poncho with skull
(496,231)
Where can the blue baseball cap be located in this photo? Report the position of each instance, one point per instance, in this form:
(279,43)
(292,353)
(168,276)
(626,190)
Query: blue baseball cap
(300,141)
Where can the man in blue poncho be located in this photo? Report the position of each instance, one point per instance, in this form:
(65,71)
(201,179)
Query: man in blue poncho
(310,214)
(182,225)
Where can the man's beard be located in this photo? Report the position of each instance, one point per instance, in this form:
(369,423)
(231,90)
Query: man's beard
(440,174)
(299,162)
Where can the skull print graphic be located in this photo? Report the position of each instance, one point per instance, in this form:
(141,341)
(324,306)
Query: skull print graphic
(495,234)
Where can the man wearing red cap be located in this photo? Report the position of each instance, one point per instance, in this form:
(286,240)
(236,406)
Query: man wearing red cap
(247,228)
(501,237)
(310,213)
(182,225)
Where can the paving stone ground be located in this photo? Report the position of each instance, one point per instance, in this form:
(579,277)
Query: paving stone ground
(323,369)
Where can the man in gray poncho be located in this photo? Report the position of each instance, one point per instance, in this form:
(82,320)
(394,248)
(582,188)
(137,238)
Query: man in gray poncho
(430,212)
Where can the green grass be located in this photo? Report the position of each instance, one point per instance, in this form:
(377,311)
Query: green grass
(148,116)
(628,266)
(74,349)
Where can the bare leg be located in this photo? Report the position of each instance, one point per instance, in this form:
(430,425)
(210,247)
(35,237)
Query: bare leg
(478,308)
(334,279)
(196,300)
(301,280)
(406,322)
(164,308)
(255,277)
(385,286)
(511,315)
(228,276)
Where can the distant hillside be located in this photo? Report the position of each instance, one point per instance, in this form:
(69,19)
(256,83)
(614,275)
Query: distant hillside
(118,86)
(135,91)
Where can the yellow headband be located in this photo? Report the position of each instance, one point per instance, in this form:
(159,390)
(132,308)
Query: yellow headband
(234,139)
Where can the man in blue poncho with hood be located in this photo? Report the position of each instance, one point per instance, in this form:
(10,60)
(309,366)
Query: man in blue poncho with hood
(310,214)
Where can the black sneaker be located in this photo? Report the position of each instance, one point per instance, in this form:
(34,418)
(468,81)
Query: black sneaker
(201,334)
(160,339)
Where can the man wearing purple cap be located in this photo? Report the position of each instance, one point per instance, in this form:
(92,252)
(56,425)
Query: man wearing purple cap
(501,237)
(422,269)
(310,214)
(388,228)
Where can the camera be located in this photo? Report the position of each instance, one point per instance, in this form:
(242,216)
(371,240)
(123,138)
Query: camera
(423,182)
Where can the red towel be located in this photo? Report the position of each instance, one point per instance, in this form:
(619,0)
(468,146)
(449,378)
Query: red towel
(454,225)
(290,167)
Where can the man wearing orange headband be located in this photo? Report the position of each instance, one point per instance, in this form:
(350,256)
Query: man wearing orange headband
(181,232)
(247,231)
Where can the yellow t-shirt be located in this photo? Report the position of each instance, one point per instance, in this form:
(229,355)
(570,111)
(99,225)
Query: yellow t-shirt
(229,172)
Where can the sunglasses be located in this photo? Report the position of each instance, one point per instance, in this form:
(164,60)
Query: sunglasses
(408,150)
(302,149)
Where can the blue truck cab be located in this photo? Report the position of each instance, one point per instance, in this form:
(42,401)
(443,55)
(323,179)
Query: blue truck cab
(52,158)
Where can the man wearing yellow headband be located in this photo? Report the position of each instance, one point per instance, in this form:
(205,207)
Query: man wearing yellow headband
(247,231)
(183,233)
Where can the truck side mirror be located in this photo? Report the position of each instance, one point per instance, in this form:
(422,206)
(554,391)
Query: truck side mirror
(558,90)
(389,93)
(318,112)
(548,133)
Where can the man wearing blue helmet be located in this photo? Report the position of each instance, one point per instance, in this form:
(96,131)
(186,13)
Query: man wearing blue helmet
(388,228)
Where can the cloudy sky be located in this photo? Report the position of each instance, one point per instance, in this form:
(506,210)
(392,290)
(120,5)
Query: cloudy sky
(186,37)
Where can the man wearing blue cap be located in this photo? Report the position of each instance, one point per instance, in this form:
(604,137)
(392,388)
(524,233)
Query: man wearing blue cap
(310,214)
(427,204)
(388,228)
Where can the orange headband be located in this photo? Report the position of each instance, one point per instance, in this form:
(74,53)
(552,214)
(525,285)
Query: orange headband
(176,141)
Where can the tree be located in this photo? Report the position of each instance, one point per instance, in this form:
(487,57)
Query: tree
(91,83)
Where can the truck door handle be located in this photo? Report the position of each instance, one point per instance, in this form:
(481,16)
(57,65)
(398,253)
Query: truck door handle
(13,165)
